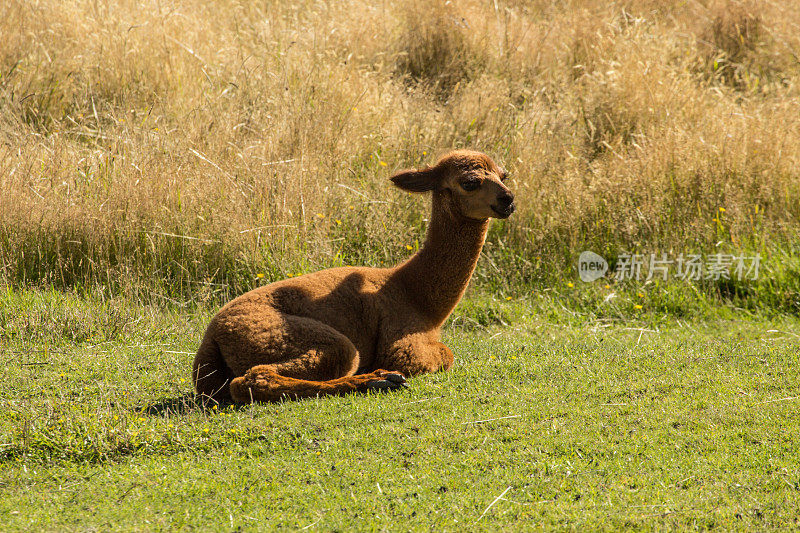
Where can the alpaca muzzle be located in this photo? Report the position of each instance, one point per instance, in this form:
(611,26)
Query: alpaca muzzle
(505,205)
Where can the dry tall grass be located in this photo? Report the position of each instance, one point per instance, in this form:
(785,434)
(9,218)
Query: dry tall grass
(189,145)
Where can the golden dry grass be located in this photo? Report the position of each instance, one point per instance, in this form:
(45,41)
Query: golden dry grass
(189,144)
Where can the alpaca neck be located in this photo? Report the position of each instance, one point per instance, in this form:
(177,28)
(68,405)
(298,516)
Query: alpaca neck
(437,276)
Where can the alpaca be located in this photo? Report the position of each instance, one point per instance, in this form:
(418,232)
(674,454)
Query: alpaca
(356,328)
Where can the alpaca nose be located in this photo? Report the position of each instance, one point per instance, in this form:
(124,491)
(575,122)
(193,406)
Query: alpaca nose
(505,200)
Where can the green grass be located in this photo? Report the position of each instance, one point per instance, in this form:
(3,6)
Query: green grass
(156,162)
(578,422)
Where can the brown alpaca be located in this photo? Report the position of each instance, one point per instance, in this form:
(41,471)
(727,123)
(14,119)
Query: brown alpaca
(357,328)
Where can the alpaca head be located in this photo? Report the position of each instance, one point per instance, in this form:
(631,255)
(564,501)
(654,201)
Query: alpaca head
(471,183)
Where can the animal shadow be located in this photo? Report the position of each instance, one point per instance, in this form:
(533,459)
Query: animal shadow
(181,405)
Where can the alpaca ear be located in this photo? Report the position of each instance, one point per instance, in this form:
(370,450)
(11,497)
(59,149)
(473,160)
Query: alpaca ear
(418,180)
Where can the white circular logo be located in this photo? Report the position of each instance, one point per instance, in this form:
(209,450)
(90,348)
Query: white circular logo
(591,266)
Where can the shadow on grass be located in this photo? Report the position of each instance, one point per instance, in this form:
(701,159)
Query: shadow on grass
(190,402)
(181,405)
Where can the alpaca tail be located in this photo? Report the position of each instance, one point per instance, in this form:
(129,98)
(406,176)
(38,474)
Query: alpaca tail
(211,376)
(263,384)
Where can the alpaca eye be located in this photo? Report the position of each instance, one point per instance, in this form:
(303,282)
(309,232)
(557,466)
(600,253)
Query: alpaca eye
(470,185)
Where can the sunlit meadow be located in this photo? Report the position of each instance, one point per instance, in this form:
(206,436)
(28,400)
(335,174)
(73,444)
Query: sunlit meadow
(158,157)
(175,151)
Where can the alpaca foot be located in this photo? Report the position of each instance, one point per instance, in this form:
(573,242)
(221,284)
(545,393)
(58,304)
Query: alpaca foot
(386,381)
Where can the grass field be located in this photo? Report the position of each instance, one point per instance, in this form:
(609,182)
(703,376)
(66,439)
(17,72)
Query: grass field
(571,423)
(158,157)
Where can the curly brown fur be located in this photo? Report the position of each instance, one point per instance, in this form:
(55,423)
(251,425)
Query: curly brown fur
(357,328)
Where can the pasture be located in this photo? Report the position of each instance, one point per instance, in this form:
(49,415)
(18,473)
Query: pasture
(160,157)
(596,425)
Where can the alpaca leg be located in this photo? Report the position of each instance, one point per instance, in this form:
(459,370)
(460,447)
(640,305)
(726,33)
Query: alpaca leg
(264,384)
(417,355)
(445,357)
(276,355)
(292,346)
